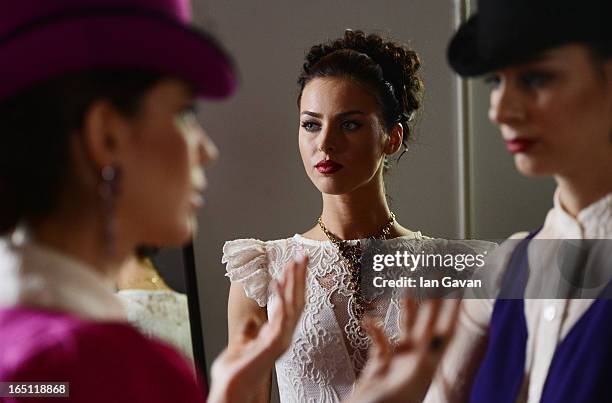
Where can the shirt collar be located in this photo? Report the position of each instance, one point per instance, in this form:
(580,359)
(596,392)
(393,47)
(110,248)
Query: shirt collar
(36,276)
(592,222)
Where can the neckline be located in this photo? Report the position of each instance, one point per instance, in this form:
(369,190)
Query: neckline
(314,242)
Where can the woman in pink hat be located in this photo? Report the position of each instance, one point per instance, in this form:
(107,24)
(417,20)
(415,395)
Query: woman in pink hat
(97,116)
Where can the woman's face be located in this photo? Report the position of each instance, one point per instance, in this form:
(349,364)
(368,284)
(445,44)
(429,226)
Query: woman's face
(163,176)
(555,112)
(341,137)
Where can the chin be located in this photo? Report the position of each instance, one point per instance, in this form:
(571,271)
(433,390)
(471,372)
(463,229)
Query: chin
(175,234)
(529,166)
(333,188)
(185,231)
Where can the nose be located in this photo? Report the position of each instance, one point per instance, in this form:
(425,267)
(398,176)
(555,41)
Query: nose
(328,139)
(208,152)
(506,104)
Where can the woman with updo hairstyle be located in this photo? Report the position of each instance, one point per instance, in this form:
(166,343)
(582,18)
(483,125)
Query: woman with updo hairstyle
(101,153)
(391,71)
(358,97)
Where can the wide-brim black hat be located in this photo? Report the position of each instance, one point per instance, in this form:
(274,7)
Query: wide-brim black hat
(504,32)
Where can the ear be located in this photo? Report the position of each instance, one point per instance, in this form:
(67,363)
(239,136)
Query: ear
(394,141)
(104,134)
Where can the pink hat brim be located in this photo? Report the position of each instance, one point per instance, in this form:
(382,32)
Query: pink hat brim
(81,43)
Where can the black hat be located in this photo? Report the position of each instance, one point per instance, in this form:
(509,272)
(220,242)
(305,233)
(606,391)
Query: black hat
(504,32)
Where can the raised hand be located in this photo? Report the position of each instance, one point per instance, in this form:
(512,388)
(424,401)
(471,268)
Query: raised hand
(404,375)
(246,364)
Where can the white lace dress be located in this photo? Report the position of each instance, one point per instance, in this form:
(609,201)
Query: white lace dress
(327,353)
(160,314)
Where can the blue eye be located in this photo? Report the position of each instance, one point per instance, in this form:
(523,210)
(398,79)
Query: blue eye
(310,126)
(351,125)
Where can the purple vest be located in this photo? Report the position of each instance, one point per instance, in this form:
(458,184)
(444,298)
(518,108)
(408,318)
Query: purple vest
(581,366)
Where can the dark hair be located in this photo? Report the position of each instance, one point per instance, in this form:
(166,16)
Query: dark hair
(602,48)
(601,52)
(35,131)
(389,68)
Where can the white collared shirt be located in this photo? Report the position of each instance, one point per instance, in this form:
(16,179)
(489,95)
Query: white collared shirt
(35,276)
(548,320)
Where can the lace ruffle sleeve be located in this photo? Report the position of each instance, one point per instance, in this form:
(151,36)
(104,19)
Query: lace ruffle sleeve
(246,262)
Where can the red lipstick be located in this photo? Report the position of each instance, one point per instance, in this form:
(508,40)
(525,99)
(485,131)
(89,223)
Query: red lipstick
(519,145)
(328,167)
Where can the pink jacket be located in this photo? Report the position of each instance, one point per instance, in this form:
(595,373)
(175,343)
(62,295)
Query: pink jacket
(104,361)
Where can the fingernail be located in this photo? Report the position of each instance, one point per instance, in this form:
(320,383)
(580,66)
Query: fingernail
(299,258)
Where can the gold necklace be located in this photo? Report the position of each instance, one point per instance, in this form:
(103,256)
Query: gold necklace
(351,254)
(152,275)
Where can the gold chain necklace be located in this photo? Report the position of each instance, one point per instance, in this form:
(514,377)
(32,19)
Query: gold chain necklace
(152,275)
(351,254)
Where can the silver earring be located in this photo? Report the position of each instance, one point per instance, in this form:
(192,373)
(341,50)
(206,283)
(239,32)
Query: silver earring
(108,189)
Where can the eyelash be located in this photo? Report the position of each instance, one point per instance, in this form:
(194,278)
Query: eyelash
(308,126)
(311,126)
(357,125)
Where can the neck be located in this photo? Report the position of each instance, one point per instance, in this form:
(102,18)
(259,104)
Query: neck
(80,236)
(581,190)
(359,214)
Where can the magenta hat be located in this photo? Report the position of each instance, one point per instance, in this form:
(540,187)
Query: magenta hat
(41,39)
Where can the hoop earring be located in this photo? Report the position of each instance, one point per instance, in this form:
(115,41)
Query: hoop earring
(108,189)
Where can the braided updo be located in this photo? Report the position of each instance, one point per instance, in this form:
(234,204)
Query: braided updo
(389,68)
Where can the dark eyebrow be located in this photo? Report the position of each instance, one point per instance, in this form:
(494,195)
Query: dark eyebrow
(342,114)
(313,114)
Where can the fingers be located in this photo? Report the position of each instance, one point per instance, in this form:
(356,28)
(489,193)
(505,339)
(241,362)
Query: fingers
(290,290)
(289,297)
(427,323)
(430,324)
(410,316)
(295,290)
(299,292)
(380,344)
(380,352)
(438,333)
(280,310)
(411,307)
(449,316)
(293,287)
